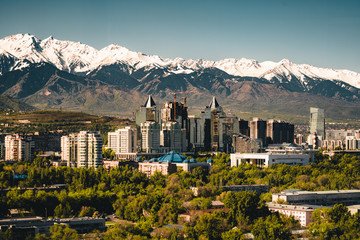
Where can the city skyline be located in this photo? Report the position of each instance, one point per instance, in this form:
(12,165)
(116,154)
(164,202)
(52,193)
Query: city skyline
(324,33)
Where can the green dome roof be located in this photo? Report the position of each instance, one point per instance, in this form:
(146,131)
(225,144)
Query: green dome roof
(172,157)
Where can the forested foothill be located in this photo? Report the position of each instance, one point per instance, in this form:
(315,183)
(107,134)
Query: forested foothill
(149,208)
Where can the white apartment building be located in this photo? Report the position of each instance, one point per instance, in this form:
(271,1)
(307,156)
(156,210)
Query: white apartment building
(123,140)
(150,136)
(302,213)
(268,159)
(83,149)
(19,148)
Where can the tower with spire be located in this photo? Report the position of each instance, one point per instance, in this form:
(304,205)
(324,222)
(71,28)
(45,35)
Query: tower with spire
(215,128)
(147,112)
(147,121)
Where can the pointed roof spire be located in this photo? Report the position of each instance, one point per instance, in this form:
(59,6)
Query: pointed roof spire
(214,104)
(149,102)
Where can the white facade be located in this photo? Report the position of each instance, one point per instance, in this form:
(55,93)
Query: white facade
(123,140)
(150,136)
(65,148)
(83,149)
(268,159)
(19,148)
(302,213)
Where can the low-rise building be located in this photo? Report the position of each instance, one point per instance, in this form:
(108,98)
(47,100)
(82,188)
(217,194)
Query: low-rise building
(150,168)
(108,164)
(317,197)
(302,213)
(268,159)
(182,162)
(259,188)
(170,162)
(31,225)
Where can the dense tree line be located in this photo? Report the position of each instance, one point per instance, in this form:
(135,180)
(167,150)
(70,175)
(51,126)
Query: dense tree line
(150,204)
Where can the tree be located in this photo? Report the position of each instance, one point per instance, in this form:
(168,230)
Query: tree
(63,232)
(335,223)
(108,153)
(211,225)
(87,211)
(167,233)
(270,228)
(62,211)
(200,173)
(243,206)
(232,234)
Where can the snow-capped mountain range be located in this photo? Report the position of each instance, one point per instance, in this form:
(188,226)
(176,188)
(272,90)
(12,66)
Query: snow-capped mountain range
(53,73)
(18,51)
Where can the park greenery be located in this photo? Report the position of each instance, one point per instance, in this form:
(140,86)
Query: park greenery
(150,207)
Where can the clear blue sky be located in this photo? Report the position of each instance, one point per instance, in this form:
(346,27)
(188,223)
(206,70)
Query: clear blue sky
(320,32)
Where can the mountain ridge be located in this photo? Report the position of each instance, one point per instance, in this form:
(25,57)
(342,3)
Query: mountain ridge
(78,58)
(52,73)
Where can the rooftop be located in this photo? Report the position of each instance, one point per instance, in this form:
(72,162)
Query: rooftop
(293,207)
(300,192)
(150,102)
(172,157)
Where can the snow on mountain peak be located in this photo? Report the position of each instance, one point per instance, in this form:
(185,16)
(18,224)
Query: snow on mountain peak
(285,61)
(78,57)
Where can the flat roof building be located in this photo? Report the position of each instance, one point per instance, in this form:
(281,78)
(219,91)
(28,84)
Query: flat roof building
(302,213)
(268,159)
(317,197)
(150,168)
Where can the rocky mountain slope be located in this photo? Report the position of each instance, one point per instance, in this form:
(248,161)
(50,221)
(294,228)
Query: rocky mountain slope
(52,73)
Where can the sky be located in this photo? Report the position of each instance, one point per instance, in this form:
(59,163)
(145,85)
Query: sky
(324,33)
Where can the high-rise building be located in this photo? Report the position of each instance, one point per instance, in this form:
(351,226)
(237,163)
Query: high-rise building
(279,132)
(83,149)
(317,122)
(150,136)
(147,112)
(258,130)
(244,127)
(123,140)
(19,148)
(244,144)
(176,111)
(195,133)
(172,137)
(213,130)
